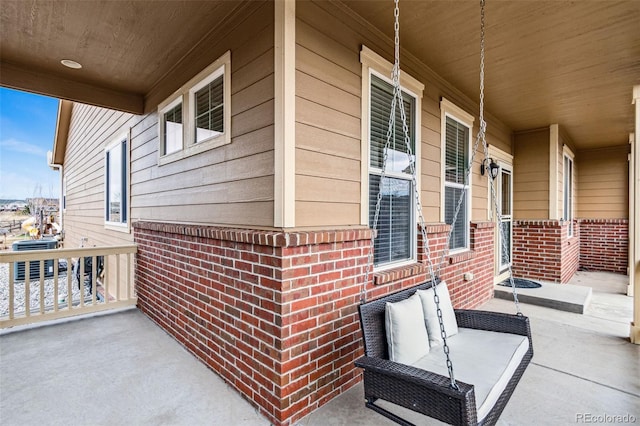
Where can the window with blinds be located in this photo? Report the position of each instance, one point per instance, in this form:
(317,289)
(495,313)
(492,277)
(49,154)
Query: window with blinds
(209,110)
(197,117)
(455,180)
(395,240)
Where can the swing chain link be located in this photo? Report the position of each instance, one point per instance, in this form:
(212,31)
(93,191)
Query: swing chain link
(412,167)
(398,101)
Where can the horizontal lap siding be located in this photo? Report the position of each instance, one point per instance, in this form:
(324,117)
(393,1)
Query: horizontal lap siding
(328,122)
(91,130)
(603,175)
(327,130)
(531,175)
(230,185)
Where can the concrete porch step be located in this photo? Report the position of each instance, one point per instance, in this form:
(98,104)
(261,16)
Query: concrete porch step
(563,297)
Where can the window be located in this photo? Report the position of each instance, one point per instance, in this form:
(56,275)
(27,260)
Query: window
(568,193)
(456,141)
(198,116)
(208,109)
(395,243)
(396,222)
(116,185)
(172,128)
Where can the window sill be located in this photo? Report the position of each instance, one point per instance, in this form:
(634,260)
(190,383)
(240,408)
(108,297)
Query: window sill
(119,227)
(195,149)
(460,257)
(399,273)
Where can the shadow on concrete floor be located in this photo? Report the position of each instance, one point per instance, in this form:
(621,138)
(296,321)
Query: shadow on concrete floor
(121,369)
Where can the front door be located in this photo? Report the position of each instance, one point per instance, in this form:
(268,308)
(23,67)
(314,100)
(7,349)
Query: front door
(505,204)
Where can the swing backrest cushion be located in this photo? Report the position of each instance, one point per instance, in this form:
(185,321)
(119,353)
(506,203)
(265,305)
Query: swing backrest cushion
(431,313)
(373,321)
(407,337)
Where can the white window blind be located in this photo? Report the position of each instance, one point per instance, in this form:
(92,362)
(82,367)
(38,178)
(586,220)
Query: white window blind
(209,110)
(456,160)
(396,230)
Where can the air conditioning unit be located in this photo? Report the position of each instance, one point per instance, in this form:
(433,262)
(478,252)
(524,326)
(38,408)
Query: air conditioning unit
(19,273)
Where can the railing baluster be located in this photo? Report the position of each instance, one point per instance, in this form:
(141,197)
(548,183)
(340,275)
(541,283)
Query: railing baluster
(130,289)
(27,288)
(94,278)
(105,280)
(11,289)
(81,281)
(69,284)
(41,265)
(118,277)
(55,284)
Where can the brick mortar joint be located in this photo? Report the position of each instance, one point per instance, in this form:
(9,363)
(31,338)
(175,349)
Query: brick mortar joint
(254,236)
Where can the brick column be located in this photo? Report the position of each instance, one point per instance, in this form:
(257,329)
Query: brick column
(543,250)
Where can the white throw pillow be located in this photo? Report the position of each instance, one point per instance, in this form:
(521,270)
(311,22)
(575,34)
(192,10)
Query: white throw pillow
(431,315)
(406,332)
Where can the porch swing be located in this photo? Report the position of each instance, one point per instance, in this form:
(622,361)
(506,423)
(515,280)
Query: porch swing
(401,330)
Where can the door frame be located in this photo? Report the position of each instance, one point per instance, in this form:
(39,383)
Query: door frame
(504,160)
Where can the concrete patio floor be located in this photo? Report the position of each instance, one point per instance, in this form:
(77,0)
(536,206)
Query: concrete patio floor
(121,369)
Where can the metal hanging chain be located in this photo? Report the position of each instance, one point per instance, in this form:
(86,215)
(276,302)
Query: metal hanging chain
(395,76)
(397,94)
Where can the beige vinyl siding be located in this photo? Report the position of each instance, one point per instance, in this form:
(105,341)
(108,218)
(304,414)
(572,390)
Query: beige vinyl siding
(328,126)
(91,130)
(229,185)
(531,174)
(603,192)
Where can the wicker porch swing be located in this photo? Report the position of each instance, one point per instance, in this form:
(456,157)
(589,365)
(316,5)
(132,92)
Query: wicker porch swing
(492,349)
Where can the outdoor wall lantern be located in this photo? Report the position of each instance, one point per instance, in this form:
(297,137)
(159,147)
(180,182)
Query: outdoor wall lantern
(493,168)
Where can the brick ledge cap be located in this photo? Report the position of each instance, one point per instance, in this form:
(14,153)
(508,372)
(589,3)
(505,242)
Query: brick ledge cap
(254,236)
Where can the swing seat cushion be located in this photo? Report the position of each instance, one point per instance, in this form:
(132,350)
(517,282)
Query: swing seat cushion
(490,353)
(486,359)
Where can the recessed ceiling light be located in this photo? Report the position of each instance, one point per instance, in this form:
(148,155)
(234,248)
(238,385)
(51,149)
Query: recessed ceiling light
(71,64)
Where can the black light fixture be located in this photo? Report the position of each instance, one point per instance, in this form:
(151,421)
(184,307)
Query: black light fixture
(492,166)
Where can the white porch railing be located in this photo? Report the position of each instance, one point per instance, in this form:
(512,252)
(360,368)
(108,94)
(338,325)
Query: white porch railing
(58,292)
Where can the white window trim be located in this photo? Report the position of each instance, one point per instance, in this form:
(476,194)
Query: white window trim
(372,63)
(568,153)
(449,109)
(185,94)
(119,226)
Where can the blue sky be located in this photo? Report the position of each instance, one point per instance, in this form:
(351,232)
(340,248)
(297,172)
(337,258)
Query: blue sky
(27,128)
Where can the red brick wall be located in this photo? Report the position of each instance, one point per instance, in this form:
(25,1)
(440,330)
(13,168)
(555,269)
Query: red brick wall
(543,250)
(570,251)
(604,244)
(537,249)
(275,313)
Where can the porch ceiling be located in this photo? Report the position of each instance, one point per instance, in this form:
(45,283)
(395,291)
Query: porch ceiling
(572,63)
(567,62)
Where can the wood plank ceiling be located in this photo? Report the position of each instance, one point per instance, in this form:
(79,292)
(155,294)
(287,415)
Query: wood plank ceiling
(568,62)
